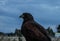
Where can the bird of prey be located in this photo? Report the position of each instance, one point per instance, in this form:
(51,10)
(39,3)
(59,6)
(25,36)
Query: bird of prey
(32,30)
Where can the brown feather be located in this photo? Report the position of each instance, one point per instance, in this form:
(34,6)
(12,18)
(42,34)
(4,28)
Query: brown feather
(33,31)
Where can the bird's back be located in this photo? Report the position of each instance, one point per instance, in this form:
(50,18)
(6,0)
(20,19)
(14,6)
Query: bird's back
(42,30)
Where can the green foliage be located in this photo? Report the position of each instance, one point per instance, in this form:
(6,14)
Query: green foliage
(50,32)
(18,33)
(20,39)
(58,29)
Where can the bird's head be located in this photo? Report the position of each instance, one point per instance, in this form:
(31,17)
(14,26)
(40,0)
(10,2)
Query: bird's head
(26,16)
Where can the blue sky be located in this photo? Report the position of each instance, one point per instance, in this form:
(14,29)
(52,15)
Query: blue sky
(45,12)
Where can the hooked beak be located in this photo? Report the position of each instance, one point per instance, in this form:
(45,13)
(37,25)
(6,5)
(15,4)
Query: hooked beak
(21,16)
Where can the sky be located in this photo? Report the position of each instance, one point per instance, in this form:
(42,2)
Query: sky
(45,12)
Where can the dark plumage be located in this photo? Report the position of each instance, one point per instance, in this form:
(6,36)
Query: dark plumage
(31,30)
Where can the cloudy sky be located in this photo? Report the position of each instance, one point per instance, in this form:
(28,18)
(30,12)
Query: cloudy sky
(45,12)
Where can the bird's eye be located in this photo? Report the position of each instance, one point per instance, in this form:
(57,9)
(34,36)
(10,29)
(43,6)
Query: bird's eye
(22,15)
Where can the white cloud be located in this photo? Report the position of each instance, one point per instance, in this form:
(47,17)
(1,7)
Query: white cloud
(6,19)
(50,7)
(9,9)
(3,2)
(7,23)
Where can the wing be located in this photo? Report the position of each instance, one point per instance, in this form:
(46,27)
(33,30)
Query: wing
(33,31)
(42,30)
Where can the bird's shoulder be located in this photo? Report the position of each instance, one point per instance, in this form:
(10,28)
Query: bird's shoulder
(29,24)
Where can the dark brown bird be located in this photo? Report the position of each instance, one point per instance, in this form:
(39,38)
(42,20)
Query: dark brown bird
(31,30)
